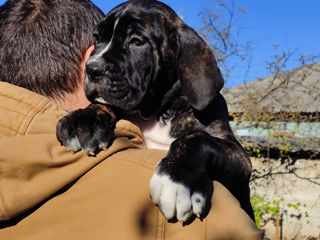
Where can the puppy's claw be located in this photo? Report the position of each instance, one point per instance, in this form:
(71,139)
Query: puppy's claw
(91,154)
(104,146)
(198,203)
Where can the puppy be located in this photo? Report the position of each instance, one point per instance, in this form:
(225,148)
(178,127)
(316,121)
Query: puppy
(148,61)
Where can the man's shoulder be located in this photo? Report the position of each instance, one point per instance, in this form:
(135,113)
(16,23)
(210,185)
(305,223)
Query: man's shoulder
(20,108)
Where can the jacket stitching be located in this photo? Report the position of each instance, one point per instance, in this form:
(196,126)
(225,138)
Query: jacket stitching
(33,117)
(2,214)
(12,110)
(18,99)
(11,129)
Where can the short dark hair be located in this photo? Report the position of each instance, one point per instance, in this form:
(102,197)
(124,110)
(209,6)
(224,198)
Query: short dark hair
(42,43)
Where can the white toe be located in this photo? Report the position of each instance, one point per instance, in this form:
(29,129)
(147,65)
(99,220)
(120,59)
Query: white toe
(155,188)
(198,203)
(184,204)
(168,199)
(73,144)
(175,199)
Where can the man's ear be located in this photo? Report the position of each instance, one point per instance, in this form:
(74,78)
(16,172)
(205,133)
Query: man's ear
(84,60)
(87,54)
(200,77)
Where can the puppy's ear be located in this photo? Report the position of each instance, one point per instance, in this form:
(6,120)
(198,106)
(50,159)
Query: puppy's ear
(200,76)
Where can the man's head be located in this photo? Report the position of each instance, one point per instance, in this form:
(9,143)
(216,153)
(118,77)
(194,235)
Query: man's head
(42,43)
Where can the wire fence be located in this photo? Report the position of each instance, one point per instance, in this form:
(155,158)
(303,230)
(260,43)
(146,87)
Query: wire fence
(289,206)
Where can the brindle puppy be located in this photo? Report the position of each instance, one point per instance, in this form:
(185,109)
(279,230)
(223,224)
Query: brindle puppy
(147,60)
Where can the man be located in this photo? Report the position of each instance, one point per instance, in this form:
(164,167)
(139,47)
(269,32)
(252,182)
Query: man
(47,192)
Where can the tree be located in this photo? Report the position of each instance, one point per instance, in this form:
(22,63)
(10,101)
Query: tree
(221,31)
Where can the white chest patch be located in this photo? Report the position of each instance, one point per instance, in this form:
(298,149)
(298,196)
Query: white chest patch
(156,133)
(157,137)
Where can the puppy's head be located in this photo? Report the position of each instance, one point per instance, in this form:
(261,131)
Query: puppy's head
(142,49)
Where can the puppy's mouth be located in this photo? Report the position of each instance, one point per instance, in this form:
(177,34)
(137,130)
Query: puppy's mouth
(118,98)
(114,93)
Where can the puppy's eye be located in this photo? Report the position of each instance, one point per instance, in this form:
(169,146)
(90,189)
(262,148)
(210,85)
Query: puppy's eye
(136,42)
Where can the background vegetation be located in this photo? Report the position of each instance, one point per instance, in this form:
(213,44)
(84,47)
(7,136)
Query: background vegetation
(222,32)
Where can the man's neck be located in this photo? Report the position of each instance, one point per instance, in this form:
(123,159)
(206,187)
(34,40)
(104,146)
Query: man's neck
(73,101)
(77,100)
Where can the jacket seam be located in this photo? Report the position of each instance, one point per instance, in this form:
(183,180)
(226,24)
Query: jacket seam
(11,129)
(34,116)
(15,111)
(15,130)
(18,99)
(2,214)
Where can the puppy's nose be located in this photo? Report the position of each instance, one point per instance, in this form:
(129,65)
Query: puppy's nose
(95,70)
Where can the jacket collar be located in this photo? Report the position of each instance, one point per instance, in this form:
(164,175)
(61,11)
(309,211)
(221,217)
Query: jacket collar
(18,106)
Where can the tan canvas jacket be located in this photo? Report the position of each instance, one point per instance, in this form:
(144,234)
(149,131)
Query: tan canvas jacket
(49,193)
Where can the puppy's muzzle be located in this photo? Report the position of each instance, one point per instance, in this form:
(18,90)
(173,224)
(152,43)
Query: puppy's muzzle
(96,70)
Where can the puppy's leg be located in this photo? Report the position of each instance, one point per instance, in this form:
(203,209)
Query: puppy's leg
(192,163)
(246,204)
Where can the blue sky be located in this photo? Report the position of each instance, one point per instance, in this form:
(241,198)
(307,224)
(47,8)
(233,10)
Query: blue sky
(291,24)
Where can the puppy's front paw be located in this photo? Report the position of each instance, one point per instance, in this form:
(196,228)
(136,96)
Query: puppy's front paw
(177,199)
(90,129)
